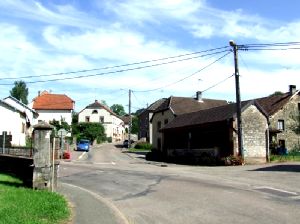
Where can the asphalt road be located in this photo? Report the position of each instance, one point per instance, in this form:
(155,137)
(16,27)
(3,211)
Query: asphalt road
(146,192)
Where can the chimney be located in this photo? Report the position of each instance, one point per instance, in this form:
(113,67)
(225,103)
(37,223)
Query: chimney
(199,96)
(292,89)
(39,93)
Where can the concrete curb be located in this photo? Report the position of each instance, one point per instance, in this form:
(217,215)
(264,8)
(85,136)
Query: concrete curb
(116,217)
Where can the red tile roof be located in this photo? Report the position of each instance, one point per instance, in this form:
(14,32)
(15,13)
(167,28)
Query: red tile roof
(48,101)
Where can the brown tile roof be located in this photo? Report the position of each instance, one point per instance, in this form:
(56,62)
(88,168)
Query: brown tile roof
(153,106)
(211,115)
(48,101)
(272,104)
(182,105)
(97,105)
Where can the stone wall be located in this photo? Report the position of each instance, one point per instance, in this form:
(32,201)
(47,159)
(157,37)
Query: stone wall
(254,125)
(19,167)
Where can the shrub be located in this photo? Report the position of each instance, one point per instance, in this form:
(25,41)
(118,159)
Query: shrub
(143,145)
(109,139)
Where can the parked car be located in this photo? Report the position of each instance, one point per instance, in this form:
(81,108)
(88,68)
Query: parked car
(83,145)
(126,143)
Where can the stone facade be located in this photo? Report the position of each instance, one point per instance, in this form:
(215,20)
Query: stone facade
(287,117)
(255,127)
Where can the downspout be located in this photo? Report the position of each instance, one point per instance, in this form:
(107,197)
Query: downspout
(268,140)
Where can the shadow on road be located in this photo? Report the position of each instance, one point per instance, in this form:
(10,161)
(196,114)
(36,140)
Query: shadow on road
(280,168)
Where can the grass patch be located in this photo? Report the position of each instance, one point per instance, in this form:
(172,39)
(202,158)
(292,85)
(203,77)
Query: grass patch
(138,150)
(24,205)
(285,158)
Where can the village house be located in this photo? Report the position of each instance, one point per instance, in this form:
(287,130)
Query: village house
(268,123)
(283,114)
(214,132)
(174,106)
(14,122)
(99,113)
(145,126)
(31,115)
(51,107)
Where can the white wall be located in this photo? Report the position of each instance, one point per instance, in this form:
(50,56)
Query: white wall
(49,115)
(12,122)
(29,113)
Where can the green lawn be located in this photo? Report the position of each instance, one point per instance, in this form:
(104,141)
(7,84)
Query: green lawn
(24,205)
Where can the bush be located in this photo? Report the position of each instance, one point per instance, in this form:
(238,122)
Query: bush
(143,145)
(109,139)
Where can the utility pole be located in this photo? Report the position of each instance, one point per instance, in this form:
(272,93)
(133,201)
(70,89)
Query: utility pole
(130,120)
(238,99)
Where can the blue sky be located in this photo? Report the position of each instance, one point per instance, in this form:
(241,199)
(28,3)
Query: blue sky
(40,38)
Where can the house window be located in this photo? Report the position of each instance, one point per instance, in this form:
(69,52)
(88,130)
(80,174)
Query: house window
(166,121)
(280,125)
(95,112)
(87,119)
(158,125)
(101,119)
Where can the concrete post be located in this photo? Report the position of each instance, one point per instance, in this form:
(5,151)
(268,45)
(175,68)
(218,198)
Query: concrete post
(42,156)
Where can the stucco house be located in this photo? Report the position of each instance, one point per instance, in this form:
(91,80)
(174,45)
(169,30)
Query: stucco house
(175,106)
(14,122)
(214,131)
(99,113)
(145,126)
(31,115)
(53,107)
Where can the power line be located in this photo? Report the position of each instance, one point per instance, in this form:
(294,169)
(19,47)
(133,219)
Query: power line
(180,80)
(117,66)
(269,44)
(117,71)
(218,83)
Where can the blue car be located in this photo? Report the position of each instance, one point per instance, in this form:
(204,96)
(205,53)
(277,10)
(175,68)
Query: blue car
(83,145)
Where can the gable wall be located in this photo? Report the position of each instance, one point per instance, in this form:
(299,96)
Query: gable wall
(159,117)
(287,113)
(254,125)
(113,125)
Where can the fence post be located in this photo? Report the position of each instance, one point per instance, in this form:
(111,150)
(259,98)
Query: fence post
(42,156)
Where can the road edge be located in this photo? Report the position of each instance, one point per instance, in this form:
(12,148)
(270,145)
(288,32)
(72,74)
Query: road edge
(109,204)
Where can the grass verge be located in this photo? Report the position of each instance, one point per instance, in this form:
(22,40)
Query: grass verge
(24,205)
(138,150)
(285,158)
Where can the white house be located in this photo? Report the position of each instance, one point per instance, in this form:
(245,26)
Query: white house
(13,121)
(53,107)
(31,115)
(99,113)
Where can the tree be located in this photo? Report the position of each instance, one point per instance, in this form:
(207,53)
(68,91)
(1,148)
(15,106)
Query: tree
(103,102)
(277,93)
(90,131)
(135,125)
(20,91)
(118,109)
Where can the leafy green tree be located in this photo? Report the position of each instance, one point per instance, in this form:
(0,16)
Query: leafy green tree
(118,109)
(277,93)
(135,125)
(20,91)
(90,131)
(104,103)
